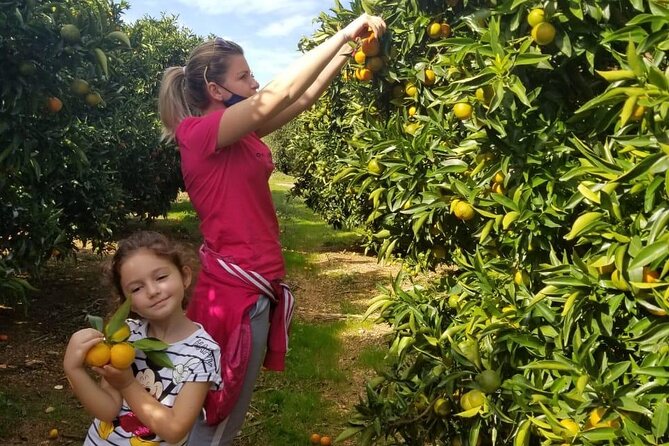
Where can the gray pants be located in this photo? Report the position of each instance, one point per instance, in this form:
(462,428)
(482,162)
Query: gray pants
(223,433)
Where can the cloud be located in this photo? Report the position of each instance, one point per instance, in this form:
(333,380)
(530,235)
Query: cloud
(285,27)
(252,7)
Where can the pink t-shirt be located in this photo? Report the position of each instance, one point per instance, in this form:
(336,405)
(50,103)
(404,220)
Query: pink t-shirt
(230,192)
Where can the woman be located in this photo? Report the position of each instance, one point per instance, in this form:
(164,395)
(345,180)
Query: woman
(214,110)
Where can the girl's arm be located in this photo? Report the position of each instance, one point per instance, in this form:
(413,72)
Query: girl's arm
(172,424)
(99,399)
(310,96)
(251,114)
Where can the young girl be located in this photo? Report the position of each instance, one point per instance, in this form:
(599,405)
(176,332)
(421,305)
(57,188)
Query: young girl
(147,404)
(214,110)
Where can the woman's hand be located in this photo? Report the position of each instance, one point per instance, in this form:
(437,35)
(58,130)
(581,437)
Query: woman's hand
(360,26)
(79,344)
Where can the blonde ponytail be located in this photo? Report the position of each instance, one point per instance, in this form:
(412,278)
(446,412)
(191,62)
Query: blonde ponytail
(172,103)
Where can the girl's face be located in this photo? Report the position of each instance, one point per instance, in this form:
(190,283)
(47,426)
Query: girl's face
(155,284)
(239,78)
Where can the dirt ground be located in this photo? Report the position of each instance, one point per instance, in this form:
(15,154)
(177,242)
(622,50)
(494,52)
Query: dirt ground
(31,355)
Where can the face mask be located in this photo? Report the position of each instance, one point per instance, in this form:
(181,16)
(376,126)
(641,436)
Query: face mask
(233,100)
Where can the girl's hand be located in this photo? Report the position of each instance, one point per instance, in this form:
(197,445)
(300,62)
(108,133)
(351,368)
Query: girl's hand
(117,378)
(78,346)
(359,26)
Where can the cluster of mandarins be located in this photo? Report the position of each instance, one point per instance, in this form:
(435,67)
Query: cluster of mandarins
(368,58)
(317,439)
(543,32)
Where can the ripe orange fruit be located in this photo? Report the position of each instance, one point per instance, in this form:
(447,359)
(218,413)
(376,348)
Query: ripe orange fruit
(54,104)
(650,275)
(359,57)
(499,177)
(543,33)
(463,210)
(326,441)
(462,110)
(596,416)
(430,77)
(445,30)
(498,188)
(434,30)
(535,17)
(484,94)
(122,355)
(315,439)
(521,278)
(93,99)
(98,355)
(370,46)
(571,427)
(412,111)
(374,64)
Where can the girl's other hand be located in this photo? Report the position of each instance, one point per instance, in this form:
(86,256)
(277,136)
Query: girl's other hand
(360,26)
(79,344)
(117,378)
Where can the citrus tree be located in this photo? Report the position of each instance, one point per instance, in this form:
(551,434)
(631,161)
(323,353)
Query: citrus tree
(79,149)
(519,149)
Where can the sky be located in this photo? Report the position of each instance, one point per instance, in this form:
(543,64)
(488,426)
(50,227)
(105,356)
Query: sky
(267,30)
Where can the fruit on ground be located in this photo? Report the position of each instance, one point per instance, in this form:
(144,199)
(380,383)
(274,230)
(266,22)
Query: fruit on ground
(462,110)
(374,167)
(93,99)
(543,33)
(70,33)
(122,355)
(434,30)
(53,434)
(326,441)
(54,104)
(463,210)
(535,17)
(98,355)
(315,439)
(80,87)
(489,381)
(473,398)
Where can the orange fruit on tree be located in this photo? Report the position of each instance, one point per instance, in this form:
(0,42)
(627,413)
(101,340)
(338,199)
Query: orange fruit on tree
(543,33)
(374,64)
(98,355)
(54,104)
(326,441)
(521,277)
(473,398)
(70,33)
(489,380)
(80,86)
(650,275)
(484,94)
(434,30)
(122,355)
(571,428)
(364,74)
(536,16)
(359,57)
(412,111)
(93,99)
(315,439)
(374,167)
(445,30)
(637,113)
(462,110)
(410,89)
(430,77)
(463,210)
(370,46)
(499,177)
(498,188)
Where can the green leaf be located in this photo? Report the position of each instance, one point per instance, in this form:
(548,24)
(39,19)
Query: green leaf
(523,434)
(118,318)
(660,419)
(160,358)
(634,60)
(584,223)
(120,36)
(348,433)
(102,60)
(150,344)
(96,322)
(650,253)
